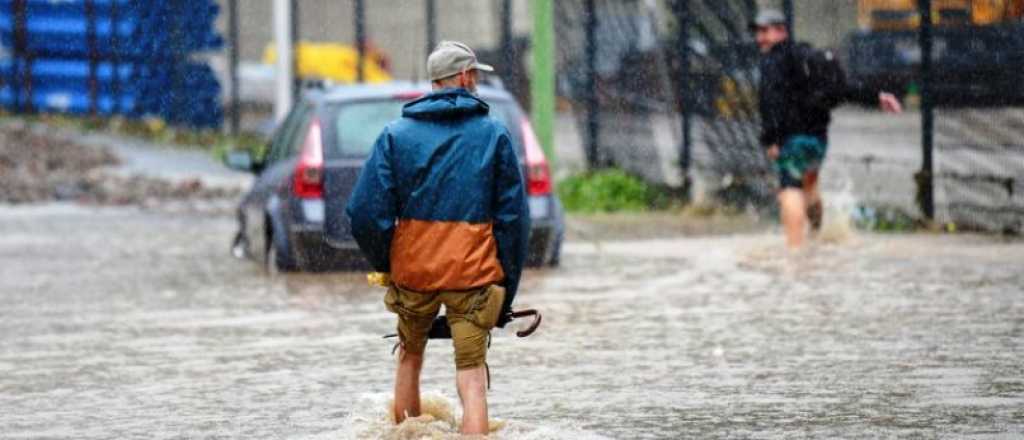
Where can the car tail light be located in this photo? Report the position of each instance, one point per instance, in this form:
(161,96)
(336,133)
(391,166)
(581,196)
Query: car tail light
(538,174)
(309,172)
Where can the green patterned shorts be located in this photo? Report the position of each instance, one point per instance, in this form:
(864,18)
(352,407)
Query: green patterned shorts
(799,155)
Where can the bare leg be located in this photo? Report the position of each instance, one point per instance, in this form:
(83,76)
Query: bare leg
(794,215)
(812,197)
(472,384)
(407,385)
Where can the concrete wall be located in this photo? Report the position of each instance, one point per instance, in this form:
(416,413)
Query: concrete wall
(399,27)
(396,26)
(825,23)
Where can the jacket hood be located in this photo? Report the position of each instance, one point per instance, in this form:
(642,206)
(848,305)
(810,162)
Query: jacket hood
(445,104)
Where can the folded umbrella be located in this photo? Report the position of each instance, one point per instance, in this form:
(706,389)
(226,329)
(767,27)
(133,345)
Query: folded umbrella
(440,329)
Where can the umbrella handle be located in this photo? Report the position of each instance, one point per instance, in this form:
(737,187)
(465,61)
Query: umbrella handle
(533,326)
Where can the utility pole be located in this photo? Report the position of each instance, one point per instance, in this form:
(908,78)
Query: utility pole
(284,77)
(543,82)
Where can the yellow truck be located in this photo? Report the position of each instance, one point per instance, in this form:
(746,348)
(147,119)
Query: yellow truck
(978,49)
(333,61)
(887,15)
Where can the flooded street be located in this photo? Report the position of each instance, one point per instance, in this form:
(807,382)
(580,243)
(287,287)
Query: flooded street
(123,323)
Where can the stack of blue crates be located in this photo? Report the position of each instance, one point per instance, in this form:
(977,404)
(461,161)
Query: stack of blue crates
(135,58)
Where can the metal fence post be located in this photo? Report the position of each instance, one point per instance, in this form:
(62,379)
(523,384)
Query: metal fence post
(233,69)
(296,35)
(681,10)
(593,126)
(925,178)
(360,25)
(115,60)
(22,58)
(431,26)
(787,10)
(507,57)
(93,51)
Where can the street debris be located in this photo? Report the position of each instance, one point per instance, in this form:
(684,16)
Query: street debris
(37,167)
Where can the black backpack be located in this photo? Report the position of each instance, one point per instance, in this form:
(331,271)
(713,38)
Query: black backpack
(819,78)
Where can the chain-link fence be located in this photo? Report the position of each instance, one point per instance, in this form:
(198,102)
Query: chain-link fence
(962,68)
(667,90)
(330,37)
(979,167)
(723,80)
(614,67)
(979,127)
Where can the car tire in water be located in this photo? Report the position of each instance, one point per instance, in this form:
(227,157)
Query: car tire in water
(556,253)
(278,261)
(240,246)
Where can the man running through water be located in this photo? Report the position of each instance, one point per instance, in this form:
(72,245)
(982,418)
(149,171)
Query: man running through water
(794,125)
(440,204)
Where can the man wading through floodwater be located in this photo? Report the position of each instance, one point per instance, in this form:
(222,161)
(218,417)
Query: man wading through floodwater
(441,206)
(799,88)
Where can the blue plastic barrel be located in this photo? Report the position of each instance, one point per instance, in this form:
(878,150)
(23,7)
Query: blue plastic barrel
(130,52)
(73,101)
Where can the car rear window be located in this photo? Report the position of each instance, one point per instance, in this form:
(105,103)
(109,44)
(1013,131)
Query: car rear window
(355,126)
(358,124)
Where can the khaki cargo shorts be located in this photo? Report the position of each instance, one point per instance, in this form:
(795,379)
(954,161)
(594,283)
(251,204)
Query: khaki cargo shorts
(471,316)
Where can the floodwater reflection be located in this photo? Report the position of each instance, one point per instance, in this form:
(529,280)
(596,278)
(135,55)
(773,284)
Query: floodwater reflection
(122,323)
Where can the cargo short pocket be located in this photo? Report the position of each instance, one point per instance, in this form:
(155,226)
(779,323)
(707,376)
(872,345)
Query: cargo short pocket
(391,301)
(487,308)
(415,315)
(410,305)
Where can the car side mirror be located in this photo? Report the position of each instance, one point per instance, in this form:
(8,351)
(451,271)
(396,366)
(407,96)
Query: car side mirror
(240,160)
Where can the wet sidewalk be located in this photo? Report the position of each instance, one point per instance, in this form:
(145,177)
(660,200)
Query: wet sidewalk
(124,323)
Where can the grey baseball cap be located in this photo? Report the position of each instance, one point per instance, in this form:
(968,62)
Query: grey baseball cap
(451,57)
(767,17)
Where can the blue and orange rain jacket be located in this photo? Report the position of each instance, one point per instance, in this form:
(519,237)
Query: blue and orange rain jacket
(440,203)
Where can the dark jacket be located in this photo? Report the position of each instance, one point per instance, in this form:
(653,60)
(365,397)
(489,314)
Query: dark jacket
(782,93)
(783,113)
(440,203)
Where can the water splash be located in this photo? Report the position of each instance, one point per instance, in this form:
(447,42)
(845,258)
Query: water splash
(375,420)
(840,207)
(439,421)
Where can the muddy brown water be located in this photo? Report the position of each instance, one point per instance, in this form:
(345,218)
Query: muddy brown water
(121,323)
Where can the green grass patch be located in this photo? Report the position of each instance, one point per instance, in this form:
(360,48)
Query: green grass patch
(885,220)
(609,191)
